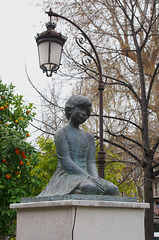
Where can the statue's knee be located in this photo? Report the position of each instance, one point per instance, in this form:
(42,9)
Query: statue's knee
(112,190)
(88,188)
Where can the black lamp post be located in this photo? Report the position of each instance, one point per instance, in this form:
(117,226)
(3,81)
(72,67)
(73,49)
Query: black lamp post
(50,45)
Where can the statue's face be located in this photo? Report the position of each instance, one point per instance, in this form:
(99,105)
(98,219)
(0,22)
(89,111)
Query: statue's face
(79,115)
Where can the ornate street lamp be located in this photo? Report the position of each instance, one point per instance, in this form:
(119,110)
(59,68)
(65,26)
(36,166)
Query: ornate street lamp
(50,45)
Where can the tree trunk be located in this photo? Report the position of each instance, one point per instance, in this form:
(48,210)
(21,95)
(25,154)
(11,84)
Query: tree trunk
(149,213)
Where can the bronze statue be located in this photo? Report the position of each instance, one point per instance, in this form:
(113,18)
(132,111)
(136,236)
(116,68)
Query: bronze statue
(76,170)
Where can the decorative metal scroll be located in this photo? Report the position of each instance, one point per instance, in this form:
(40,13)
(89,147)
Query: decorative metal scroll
(88,57)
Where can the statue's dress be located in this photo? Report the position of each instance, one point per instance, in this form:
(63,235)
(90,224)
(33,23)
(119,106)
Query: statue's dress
(78,147)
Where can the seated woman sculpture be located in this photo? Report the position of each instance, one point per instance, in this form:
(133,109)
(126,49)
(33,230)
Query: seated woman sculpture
(76,170)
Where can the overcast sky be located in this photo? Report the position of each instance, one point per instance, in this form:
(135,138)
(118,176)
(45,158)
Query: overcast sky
(20,21)
(19,24)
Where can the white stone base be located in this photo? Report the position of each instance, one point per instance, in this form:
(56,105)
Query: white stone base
(80,220)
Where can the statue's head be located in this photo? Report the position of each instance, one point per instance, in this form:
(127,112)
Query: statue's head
(77,101)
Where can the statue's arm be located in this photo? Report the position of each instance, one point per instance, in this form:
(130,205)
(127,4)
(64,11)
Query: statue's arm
(91,163)
(63,154)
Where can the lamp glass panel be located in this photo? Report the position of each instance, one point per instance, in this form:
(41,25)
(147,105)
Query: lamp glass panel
(55,55)
(43,52)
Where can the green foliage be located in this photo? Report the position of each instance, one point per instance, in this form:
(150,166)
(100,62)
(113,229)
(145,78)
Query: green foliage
(47,164)
(115,172)
(17,157)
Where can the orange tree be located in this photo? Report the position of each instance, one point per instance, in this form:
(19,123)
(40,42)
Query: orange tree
(17,156)
(47,163)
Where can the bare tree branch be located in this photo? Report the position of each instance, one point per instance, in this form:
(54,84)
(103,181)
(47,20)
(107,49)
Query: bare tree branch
(127,138)
(40,129)
(124,149)
(128,175)
(122,83)
(119,119)
(40,92)
(155,146)
(151,82)
(150,26)
(156,173)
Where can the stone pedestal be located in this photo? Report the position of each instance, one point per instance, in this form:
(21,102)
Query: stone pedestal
(80,220)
